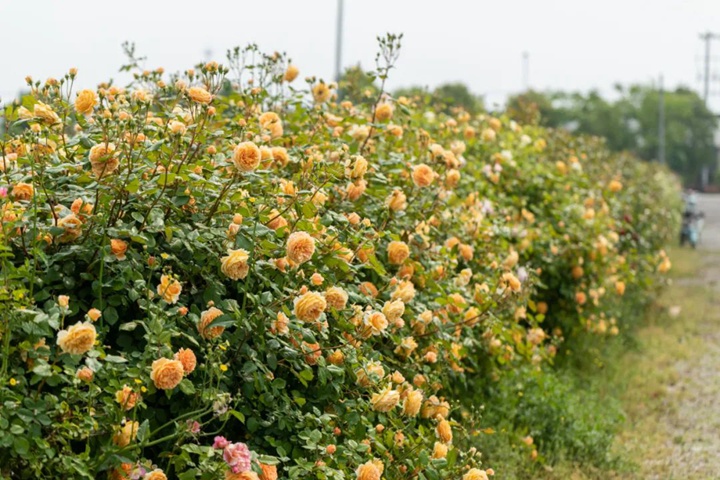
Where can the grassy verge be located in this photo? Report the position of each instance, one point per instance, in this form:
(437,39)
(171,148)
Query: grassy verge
(610,421)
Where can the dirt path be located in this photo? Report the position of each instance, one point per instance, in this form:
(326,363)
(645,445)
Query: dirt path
(673,399)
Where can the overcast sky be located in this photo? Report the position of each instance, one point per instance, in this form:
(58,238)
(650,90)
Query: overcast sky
(572,44)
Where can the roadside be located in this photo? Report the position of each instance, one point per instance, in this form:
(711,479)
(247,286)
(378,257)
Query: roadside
(671,396)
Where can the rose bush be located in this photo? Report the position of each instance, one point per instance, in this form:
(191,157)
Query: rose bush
(223,274)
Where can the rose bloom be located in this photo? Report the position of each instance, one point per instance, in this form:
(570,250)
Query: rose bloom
(404,291)
(398,252)
(22,191)
(291,73)
(310,306)
(336,298)
(475,474)
(77,339)
(169,289)
(118,248)
(433,407)
(615,186)
(246,156)
(94,314)
(103,160)
(412,403)
(337,357)
(371,470)
(300,247)
(126,397)
(359,168)
(237,457)
(249,475)
(396,201)
(385,400)
(393,310)
(45,113)
(395,130)
(85,101)
(580,298)
(440,450)
(269,472)
(85,374)
(321,92)
(187,357)
(234,265)
(366,376)
(353,218)
(466,251)
(270,119)
(276,220)
(156,474)
(444,431)
(166,373)
(280,325)
(620,287)
(423,176)
(206,319)
(384,112)
(199,95)
(406,347)
(356,189)
(126,433)
(178,128)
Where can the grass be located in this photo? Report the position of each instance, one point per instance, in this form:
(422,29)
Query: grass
(640,374)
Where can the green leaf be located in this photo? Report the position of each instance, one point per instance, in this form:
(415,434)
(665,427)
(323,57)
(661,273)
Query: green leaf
(187,387)
(21,445)
(115,359)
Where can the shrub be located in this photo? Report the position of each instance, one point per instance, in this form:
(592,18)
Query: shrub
(220,273)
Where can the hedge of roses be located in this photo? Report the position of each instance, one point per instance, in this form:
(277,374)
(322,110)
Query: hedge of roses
(227,274)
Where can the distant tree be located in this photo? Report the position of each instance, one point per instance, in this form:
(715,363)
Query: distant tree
(631,122)
(459,95)
(357,85)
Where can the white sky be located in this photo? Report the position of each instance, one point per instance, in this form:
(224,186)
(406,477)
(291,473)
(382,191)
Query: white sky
(573,44)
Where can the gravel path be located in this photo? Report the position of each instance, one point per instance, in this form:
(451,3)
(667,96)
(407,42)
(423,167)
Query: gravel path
(691,418)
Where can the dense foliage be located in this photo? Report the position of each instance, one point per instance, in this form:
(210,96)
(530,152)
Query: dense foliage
(222,274)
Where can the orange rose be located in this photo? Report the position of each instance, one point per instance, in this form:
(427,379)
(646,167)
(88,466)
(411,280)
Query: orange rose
(206,318)
(85,101)
(23,191)
(300,247)
(166,373)
(118,248)
(310,306)
(169,289)
(423,176)
(398,252)
(77,339)
(187,357)
(199,95)
(246,156)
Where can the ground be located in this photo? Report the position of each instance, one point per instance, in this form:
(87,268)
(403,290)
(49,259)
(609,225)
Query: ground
(672,381)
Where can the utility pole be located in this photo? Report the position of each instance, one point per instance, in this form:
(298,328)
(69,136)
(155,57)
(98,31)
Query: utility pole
(707,37)
(338,41)
(526,70)
(661,122)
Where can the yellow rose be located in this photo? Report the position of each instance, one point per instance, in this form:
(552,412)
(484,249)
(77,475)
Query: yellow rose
(280,155)
(126,433)
(85,101)
(336,297)
(310,306)
(475,474)
(271,121)
(398,252)
(85,374)
(615,186)
(45,113)
(300,247)
(423,176)
(321,92)
(199,95)
(440,450)
(206,318)
(291,73)
(118,248)
(166,373)
(126,397)
(412,403)
(246,156)
(444,431)
(77,339)
(370,374)
(23,191)
(393,310)
(371,470)
(94,314)
(396,201)
(235,265)
(156,474)
(383,112)
(187,357)
(169,289)
(103,160)
(620,287)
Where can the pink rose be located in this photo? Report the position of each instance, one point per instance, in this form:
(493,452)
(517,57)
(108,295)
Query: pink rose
(237,456)
(220,443)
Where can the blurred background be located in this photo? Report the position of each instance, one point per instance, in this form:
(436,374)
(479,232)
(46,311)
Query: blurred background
(645,75)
